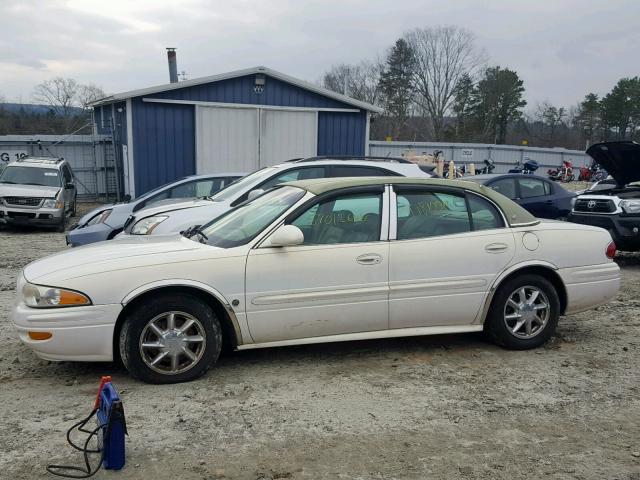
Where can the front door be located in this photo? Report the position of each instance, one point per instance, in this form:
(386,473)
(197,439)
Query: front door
(336,282)
(448,249)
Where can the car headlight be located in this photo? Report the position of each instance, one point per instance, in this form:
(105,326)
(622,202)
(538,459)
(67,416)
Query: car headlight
(37,296)
(630,206)
(147,225)
(53,203)
(100,217)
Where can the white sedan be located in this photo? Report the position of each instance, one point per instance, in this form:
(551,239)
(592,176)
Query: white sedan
(317,261)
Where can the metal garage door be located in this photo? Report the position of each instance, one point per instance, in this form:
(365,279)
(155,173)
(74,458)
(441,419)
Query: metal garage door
(245,139)
(286,134)
(226,139)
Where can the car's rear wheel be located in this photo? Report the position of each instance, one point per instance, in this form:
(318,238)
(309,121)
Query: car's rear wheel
(170,339)
(524,312)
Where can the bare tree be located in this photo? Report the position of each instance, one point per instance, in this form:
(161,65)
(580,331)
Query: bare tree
(59,93)
(88,94)
(358,81)
(443,55)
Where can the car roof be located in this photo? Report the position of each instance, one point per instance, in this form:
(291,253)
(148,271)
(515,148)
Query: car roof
(213,175)
(515,214)
(39,162)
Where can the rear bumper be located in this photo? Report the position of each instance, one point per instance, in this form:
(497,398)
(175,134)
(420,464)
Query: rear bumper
(30,216)
(621,227)
(77,333)
(590,286)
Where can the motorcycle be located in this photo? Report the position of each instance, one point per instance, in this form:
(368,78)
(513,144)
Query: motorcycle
(528,168)
(592,174)
(562,174)
(489,166)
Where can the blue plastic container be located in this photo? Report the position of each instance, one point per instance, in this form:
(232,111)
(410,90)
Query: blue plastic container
(111,414)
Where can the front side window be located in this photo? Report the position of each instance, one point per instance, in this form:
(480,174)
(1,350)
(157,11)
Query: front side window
(48,177)
(533,187)
(424,214)
(243,224)
(294,175)
(200,188)
(505,186)
(349,218)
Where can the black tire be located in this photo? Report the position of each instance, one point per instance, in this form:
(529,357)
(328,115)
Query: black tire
(134,327)
(496,325)
(62,226)
(75,203)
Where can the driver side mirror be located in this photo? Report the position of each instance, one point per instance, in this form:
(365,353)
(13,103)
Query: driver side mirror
(286,236)
(254,193)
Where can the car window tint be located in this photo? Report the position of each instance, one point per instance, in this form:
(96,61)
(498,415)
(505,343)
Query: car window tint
(346,219)
(532,187)
(429,214)
(483,214)
(356,171)
(505,186)
(293,175)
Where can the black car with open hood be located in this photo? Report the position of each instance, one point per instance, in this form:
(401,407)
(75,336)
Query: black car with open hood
(621,160)
(616,209)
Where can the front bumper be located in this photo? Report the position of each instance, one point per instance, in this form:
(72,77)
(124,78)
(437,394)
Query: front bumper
(77,333)
(620,226)
(91,234)
(30,216)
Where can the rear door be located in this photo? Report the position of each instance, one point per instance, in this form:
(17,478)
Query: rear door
(447,249)
(535,195)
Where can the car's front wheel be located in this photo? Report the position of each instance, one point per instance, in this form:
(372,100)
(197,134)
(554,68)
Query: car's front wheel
(169,339)
(524,312)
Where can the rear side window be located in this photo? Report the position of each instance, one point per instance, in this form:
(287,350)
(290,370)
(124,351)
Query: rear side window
(533,187)
(357,171)
(423,214)
(505,186)
(483,214)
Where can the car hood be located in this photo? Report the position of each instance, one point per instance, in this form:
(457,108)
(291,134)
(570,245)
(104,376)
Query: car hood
(128,252)
(620,159)
(41,191)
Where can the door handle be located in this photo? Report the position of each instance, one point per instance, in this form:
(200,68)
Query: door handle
(496,247)
(369,259)
(549,202)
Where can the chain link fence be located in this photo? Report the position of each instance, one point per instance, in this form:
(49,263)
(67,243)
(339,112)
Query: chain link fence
(92,159)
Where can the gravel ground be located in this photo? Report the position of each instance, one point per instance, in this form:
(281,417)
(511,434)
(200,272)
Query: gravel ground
(430,407)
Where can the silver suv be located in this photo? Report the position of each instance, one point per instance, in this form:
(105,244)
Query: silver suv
(37,191)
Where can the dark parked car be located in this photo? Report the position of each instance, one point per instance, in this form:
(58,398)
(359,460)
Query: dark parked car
(541,197)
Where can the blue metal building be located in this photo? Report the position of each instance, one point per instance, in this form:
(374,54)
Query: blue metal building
(237,121)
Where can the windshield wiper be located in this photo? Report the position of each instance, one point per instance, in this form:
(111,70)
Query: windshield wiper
(195,230)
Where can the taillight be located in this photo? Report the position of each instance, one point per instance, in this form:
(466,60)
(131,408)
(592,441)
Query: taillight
(611,250)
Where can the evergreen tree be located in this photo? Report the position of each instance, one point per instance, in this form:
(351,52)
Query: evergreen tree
(396,87)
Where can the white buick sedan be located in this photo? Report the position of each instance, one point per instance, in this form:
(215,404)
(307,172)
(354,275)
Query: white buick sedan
(317,261)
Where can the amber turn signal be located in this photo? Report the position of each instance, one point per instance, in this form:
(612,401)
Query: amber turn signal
(72,298)
(40,335)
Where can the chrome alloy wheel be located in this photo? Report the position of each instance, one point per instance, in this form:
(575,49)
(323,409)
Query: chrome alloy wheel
(172,342)
(526,312)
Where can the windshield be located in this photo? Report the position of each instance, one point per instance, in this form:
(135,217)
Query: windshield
(239,186)
(242,224)
(47,177)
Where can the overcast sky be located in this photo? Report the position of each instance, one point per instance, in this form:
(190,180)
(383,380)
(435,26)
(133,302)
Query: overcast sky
(561,48)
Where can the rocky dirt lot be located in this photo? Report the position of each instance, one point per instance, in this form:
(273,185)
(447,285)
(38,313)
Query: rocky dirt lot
(431,407)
